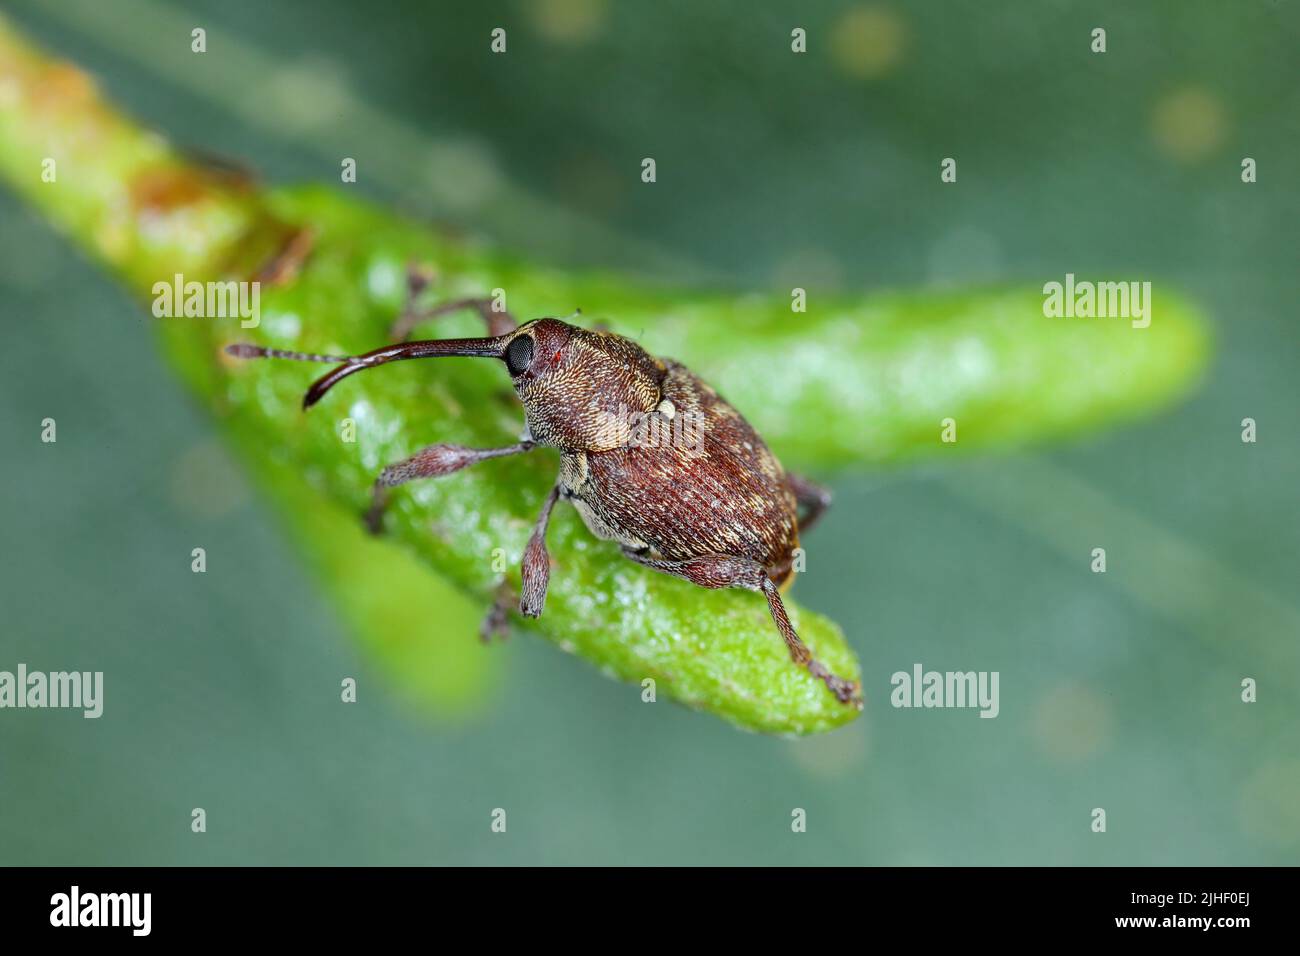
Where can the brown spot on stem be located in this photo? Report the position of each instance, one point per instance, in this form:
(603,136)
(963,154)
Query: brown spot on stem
(223,170)
(63,85)
(160,190)
(288,259)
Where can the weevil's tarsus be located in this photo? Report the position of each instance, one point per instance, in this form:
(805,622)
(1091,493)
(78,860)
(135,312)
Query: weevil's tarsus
(433,461)
(728,571)
(418,278)
(845,691)
(536,569)
(813,499)
(374,517)
(496,623)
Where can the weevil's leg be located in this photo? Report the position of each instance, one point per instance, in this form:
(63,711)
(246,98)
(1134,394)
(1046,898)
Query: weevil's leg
(726,571)
(418,278)
(496,623)
(431,462)
(847,692)
(536,568)
(498,323)
(813,499)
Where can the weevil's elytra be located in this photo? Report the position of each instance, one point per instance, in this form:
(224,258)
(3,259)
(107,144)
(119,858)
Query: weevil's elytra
(711,504)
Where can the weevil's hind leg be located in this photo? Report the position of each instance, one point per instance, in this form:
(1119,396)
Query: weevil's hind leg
(813,500)
(431,462)
(498,323)
(536,570)
(726,571)
(847,692)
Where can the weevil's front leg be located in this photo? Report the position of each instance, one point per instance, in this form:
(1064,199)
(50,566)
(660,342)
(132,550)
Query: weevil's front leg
(496,623)
(727,571)
(813,500)
(431,462)
(498,323)
(536,570)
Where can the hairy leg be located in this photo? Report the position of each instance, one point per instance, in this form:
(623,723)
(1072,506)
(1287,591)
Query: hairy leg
(536,572)
(431,462)
(726,571)
(536,569)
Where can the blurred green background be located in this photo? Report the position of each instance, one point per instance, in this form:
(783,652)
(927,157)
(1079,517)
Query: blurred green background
(1119,691)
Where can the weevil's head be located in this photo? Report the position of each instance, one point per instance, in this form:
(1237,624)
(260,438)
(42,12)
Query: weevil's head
(581,390)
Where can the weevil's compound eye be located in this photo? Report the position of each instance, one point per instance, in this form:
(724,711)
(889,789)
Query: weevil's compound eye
(519,354)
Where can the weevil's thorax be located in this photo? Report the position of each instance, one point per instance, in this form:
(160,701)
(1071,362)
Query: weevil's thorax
(583,390)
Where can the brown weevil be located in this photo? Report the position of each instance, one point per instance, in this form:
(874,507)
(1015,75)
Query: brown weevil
(715,508)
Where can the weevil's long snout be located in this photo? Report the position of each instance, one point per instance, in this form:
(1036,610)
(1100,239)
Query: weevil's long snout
(432,348)
(493,347)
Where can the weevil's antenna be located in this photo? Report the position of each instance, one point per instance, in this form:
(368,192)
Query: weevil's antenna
(493,347)
(246,351)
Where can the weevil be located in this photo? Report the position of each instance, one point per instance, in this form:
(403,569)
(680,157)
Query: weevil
(718,509)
